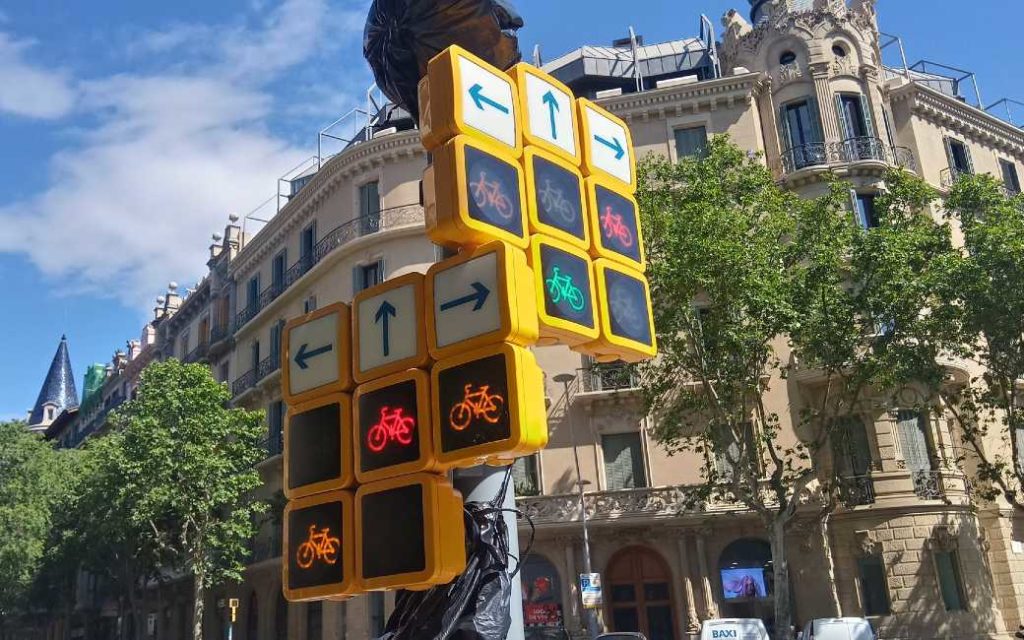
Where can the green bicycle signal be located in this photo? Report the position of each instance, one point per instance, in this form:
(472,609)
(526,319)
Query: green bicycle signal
(561,287)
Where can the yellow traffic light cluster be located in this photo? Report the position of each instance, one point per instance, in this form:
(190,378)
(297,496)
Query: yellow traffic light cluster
(519,160)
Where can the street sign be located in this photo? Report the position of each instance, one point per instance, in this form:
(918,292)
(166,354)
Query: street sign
(480,297)
(624,305)
(473,194)
(392,419)
(549,112)
(590,590)
(462,94)
(319,547)
(615,223)
(565,292)
(389,333)
(316,354)
(318,446)
(555,202)
(488,404)
(607,144)
(410,533)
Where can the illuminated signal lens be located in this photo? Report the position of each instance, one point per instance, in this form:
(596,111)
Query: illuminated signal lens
(393,426)
(476,405)
(493,191)
(320,546)
(565,277)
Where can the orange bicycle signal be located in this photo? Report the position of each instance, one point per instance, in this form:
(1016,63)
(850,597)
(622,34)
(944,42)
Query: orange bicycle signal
(476,405)
(320,546)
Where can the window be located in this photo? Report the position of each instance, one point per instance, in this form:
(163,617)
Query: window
(278,267)
(184,344)
(365,276)
(800,135)
(623,461)
(307,241)
(252,292)
(1010,179)
(369,208)
(864,208)
(275,339)
(854,116)
(851,447)
(787,57)
(838,51)
(525,476)
(224,371)
(874,588)
(309,304)
(947,567)
(912,429)
(275,427)
(959,157)
(314,621)
(376,610)
(691,142)
(254,352)
(729,453)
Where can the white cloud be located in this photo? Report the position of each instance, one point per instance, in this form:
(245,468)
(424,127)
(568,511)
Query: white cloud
(131,205)
(29,90)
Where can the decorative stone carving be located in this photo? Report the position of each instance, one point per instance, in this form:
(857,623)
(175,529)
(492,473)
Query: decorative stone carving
(789,73)
(843,67)
(865,544)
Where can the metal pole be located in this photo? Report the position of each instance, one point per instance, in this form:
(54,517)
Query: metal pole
(593,629)
(481,484)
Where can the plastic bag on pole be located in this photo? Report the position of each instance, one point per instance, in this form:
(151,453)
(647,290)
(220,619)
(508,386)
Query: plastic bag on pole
(401,36)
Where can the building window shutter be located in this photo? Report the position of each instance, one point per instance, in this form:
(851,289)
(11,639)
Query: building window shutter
(623,461)
(950,585)
(913,440)
(525,476)
(844,118)
(785,137)
(874,588)
(869,122)
(814,113)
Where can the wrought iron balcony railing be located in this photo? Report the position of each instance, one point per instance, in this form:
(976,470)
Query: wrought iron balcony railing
(246,381)
(852,150)
(274,443)
(814,154)
(927,485)
(609,377)
(949,176)
(198,353)
(219,332)
(857,490)
(267,366)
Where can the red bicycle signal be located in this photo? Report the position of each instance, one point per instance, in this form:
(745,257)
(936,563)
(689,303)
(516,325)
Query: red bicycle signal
(392,426)
(613,227)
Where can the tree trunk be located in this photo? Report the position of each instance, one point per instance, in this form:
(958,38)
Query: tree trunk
(197,606)
(780,566)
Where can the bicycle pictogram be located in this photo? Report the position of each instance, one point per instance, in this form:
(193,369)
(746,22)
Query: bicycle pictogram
(476,404)
(625,310)
(490,196)
(613,227)
(553,200)
(561,287)
(320,546)
(392,426)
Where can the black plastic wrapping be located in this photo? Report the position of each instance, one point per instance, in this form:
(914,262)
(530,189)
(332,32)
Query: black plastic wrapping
(401,36)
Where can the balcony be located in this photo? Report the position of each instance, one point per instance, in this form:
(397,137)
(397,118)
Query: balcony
(274,443)
(241,384)
(847,152)
(608,377)
(343,234)
(198,353)
(220,332)
(949,176)
(856,491)
(267,366)
(666,502)
(927,485)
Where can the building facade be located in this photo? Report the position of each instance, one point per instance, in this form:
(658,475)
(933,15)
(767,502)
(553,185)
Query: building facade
(803,84)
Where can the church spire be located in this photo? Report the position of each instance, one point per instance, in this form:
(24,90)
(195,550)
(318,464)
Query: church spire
(58,392)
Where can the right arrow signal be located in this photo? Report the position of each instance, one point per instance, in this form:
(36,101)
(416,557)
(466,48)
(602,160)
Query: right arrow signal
(479,296)
(614,144)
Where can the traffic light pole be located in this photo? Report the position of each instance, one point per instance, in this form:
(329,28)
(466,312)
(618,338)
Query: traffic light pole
(481,484)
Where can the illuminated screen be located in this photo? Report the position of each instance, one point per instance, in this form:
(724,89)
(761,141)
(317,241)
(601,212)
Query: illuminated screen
(558,197)
(314,445)
(393,532)
(627,306)
(738,584)
(474,403)
(387,426)
(493,186)
(314,546)
(617,216)
(566,286)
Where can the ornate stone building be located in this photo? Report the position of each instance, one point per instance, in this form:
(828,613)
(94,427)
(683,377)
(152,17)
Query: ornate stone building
(803,83)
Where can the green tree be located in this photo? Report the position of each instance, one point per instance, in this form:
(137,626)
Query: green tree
(750,281)
(990,411)
(33,481)
(189,473)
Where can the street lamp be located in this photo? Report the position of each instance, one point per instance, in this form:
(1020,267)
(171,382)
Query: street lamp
(588,614)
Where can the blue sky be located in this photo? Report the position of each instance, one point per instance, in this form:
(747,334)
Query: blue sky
(129,130)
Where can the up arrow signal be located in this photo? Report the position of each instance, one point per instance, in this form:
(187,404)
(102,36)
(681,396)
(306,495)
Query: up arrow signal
(553,108)
(479,295)
(303,355)
(477,93)
(614,144)
(385,311)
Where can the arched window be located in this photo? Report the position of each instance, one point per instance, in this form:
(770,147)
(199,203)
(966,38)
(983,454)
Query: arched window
(542,593)
(787,57)
(748,584)
(839,51)
(640,594)
(252,618)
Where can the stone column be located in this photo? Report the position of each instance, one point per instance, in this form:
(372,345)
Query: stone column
(872,90)
(826,102)
(710,609)
(691,622)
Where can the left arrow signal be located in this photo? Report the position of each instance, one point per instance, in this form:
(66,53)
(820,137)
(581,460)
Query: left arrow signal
(477,93)
(305,353)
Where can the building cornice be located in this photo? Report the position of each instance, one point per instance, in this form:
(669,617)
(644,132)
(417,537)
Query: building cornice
(688,98)
(972,122)
(361,158)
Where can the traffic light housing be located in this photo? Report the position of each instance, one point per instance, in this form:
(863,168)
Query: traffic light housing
(318,446)
(392,426)
(548,110)
(410,533)
(615,223)
(316,354)
(607,145)
(565,292)
(474,193)
(479,297)
(624,306)
(555,201)
(388,329)
(488,404)
(319,547)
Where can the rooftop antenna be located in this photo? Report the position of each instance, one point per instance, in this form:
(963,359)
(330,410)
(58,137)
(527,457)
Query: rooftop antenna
(707,33)
(636,60)
(537,62)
